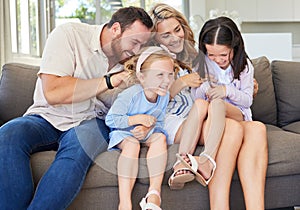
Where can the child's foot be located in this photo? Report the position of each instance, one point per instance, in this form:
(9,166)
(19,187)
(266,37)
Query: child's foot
(205,167)
(180,176)
(203,171)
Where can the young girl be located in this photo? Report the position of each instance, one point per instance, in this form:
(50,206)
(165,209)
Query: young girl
(228,69)
(142,104)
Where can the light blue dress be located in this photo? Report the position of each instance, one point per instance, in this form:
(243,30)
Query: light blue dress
(132,101)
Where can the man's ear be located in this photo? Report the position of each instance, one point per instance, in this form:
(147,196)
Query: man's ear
(116,29)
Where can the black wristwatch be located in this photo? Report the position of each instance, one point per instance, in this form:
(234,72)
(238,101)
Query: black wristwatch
(108,82)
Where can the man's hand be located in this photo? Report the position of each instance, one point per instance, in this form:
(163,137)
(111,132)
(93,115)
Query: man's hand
(118,78)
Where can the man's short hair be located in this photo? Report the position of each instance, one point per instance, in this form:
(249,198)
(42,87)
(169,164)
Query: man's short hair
(126,16)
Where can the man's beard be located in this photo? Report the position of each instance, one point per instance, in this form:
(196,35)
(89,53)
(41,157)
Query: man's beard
(116,49)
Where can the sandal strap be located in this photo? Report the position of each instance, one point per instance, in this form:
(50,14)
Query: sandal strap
(209,158)
(153,192)
(151,206)
(145,205)
(194,163)
(176,163)
(214,165)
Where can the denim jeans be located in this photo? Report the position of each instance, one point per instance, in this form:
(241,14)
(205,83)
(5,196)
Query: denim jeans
(76,150)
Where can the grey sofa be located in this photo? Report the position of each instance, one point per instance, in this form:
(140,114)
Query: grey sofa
(277,105)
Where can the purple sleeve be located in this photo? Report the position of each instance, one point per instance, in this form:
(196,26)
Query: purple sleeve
(241,93)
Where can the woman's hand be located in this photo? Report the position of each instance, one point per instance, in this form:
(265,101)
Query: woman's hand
(255,89)
(191,80)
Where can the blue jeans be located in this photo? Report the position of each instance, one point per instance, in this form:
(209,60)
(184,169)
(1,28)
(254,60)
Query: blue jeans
(76,150)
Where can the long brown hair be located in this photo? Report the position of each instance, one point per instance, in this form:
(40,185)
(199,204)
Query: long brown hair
(163,11)
(223,31)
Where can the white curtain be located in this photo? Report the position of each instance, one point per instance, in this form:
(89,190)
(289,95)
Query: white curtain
(5,41)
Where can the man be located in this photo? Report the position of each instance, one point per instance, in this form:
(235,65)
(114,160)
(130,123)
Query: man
(71,100)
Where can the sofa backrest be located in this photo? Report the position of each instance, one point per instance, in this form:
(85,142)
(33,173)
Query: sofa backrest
(264,107)
(286,79)
(16,89)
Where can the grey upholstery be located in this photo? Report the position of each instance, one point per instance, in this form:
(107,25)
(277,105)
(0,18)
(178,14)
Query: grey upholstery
(100,189)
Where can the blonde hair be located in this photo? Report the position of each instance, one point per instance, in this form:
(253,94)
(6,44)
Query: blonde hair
(163,11)
(131,64)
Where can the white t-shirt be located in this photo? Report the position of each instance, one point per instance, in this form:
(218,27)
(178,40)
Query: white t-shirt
(73,49)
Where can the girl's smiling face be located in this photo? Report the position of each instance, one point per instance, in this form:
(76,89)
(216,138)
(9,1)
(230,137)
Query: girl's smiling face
(221,54)
(171,34)
(157,79)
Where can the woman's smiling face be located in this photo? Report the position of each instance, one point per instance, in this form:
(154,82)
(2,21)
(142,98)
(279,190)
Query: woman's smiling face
(171,34)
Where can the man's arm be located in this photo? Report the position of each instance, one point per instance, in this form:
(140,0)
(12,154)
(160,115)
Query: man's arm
(67,89)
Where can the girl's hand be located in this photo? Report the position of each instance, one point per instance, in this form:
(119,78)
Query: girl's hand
(140,132)
(191,80)
(142,119)
(218,91)
(147,120)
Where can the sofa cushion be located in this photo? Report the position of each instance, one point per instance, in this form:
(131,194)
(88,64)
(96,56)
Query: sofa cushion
(287,85)
(16,89)
(283,152)
(264,104)
(293,127)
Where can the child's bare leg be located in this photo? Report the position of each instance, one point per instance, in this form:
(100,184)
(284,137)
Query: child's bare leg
(127,170)
(214,128)
(213,132)
(156,161)
(219,187)
(252,164)
(190,131)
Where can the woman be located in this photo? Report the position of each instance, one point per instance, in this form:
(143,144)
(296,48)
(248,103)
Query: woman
(249,152)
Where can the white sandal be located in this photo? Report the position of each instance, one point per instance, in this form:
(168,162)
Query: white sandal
(194,167)
(146,206)
(177,181)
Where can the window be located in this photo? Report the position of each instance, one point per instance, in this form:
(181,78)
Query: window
(25,27)
(32,20)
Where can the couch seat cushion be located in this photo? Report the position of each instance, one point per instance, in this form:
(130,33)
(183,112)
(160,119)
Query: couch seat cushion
(284,153)
(293,127)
